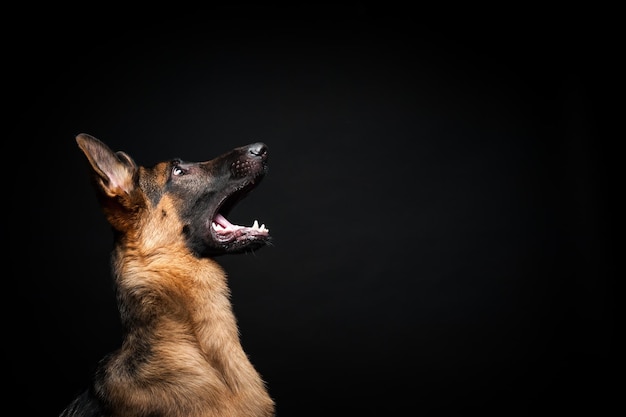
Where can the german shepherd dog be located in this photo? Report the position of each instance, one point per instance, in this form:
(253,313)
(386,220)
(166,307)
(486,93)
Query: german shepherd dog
(181,354)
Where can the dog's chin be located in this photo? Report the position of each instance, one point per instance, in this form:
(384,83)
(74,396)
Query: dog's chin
(242,244)
(246,246)
(240,239)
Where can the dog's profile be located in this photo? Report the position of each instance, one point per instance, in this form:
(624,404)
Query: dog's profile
(181,354)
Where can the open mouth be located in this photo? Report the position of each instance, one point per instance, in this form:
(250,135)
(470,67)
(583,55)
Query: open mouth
(229,234)
(232,177)
(225,230)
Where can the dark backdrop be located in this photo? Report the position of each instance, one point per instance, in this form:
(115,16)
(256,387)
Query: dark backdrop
(438,195)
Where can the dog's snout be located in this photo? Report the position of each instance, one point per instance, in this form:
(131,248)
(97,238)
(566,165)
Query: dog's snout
(249,160)
(258,149)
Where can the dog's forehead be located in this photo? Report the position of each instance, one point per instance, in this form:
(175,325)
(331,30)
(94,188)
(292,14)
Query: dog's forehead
(152,179)
(158,173)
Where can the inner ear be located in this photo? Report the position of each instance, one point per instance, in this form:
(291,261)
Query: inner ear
(114,171)
(117,181)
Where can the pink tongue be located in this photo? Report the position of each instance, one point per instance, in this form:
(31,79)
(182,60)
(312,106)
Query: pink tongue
(221,220)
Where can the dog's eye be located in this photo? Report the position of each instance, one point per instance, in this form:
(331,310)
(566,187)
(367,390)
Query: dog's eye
(178,171)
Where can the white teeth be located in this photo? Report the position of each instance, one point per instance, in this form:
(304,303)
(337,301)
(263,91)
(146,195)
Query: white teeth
(261,228)
(217,226)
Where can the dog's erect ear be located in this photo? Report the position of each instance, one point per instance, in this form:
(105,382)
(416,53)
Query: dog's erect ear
(114,170)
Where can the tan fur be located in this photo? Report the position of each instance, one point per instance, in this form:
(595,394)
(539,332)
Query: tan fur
(192,363)
(196,347)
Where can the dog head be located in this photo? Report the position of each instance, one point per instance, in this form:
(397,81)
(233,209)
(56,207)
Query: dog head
(175,198)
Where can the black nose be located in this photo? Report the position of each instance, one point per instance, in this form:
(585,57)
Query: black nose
(258,149)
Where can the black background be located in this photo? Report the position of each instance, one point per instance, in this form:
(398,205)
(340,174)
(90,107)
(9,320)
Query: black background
(438,195)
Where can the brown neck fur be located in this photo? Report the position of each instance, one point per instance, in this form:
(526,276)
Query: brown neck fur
(181,338)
